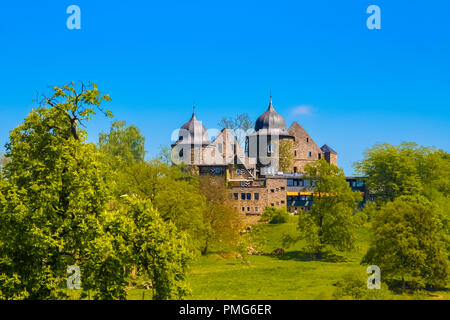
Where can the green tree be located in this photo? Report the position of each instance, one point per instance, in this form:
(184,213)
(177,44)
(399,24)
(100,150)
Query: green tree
(404,170)
(407,244)
(330,222)
(124,144)
(172,190)
(54,191)
(222,221)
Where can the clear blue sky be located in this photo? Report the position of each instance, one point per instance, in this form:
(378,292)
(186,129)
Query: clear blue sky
(355,86)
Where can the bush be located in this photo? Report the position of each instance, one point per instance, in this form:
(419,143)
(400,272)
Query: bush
(275,216)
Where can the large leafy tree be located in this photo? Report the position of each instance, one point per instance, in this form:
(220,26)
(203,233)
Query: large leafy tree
(407,244)
(173,192)
(405,169)
(54,192)
(329,224)
(222,221)
(56,211)
(123,144)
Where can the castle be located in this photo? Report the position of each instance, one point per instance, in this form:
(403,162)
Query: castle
(254,174)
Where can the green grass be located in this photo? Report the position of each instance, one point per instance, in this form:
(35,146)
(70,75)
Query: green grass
(292,276)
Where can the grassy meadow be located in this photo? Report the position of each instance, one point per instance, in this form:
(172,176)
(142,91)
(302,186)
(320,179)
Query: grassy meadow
(227,276)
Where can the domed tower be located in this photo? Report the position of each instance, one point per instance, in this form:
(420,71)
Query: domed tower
(192,138)
(264,143)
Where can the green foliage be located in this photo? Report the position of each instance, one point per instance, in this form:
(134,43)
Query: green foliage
(408,244)
(55,189)
(222,222)
(405,170)
(172,190)
(123,144)
(158,248)
(330,222)
(53,213)
(273,215)
(353,286)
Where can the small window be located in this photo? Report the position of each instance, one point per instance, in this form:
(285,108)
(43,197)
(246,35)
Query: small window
(282,188)
(309,154)
(243,208)
(242,196)
(282,201)
(278,203)
(248,208)
(238,171)
(256,196)
(307,139)
(271,204)
(278,189)
(180,138)
(242,183)
(249,196)
(256,209)
(295,153)
(319,156)
(236,196)
(217,170)
(272,190)
(295,169)
(181,153)
(269,148)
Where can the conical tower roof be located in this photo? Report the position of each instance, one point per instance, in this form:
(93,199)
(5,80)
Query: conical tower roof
(193,132)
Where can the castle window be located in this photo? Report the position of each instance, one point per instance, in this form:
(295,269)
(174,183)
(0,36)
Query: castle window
(243,208)
(282,188)
(242,196)
(181,153)
(282,201)
(249,196)
(256,196)
(271,204)
(272,190)
(295,169)
(248,208)
(278,203)
(236,196)
(307,139)
(278,189)
(256,209)
(295,153)
(319,155)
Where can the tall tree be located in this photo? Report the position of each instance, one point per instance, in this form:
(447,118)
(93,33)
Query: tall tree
(124,144)
(408,244)
(173,192)
(330,223)
(54,192)
(405,169)
(222,221)
(241,124)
